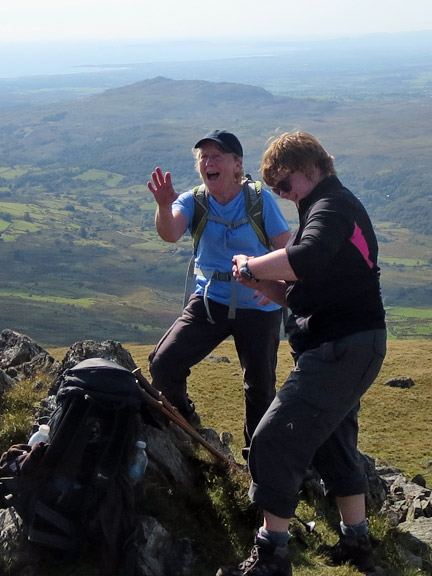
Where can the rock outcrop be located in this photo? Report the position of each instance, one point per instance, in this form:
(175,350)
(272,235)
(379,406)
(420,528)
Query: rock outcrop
(408,507)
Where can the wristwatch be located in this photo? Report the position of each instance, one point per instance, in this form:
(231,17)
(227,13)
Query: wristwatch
(246,273)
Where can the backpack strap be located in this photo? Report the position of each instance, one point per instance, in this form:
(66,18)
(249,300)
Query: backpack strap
(252,191)
(199,221)
(61,533)
(254,212)
(201,216)
(189,280)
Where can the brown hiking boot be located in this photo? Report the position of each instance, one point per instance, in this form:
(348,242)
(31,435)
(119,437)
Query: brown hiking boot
(265,560)
(356,550)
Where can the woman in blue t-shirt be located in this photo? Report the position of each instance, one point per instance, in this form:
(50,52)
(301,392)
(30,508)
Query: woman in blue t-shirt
(219,307)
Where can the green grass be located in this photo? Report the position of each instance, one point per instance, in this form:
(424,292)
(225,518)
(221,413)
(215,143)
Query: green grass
(423,313)
(17,208)
(17,411)
(94,175)
(81,302)
(11,173)
(408,323)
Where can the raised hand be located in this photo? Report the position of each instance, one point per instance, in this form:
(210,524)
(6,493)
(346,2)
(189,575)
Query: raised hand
(162,188)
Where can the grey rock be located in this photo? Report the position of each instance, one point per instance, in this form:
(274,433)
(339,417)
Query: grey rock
(161,554)
(22,358)
(402,382)
(108,349)
(218,359)
(6,382)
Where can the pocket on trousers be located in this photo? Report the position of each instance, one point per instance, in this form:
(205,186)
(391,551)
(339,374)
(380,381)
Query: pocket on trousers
(333,351)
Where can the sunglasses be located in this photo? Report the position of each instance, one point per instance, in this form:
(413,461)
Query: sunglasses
(283,186)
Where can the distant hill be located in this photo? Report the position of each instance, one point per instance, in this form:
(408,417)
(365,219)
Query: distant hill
(131,129)
(382,147)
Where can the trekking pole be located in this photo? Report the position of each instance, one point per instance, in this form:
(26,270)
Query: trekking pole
(158,400)
(308,526)
(157,395)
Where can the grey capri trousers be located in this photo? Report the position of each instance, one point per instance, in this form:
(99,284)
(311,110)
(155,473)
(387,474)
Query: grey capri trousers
(314,421)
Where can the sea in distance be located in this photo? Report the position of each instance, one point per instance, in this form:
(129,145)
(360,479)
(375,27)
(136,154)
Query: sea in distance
(52,58)
(18,59)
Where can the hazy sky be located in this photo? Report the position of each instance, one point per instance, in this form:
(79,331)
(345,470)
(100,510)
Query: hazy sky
(29,20)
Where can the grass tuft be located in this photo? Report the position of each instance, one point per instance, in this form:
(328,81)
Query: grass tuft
(18,407)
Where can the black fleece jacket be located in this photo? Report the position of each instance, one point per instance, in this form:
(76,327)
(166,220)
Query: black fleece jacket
(334,256)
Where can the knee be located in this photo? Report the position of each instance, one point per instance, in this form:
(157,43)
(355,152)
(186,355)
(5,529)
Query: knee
(265,437)
(159,368)
(167,370)
(260,391)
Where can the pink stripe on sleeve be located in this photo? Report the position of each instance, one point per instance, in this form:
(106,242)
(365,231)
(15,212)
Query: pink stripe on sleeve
(360,243)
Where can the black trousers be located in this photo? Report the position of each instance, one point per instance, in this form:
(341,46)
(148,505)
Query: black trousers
(314,420)
(192,337)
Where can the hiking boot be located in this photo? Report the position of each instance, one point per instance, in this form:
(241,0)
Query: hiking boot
(266,559)
(356,550)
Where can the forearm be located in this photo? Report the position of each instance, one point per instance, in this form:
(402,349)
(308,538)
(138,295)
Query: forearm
(269,274)
(273,290)
(171,225)
(272,266)
(167,225)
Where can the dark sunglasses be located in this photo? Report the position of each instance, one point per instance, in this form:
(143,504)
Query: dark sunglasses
(284,186)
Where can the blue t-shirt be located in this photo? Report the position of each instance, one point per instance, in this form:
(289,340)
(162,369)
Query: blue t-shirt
(218,244)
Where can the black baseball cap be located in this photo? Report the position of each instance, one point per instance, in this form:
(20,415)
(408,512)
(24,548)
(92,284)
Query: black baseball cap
(227,141)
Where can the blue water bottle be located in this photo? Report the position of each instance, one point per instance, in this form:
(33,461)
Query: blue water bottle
(139,463)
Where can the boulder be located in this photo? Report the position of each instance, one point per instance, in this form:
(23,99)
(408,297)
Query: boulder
(22,358)
(108,349)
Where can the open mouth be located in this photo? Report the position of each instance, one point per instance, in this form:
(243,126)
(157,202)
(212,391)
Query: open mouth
(212,176)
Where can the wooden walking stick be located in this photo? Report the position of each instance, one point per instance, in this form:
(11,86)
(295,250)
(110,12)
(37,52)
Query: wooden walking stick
(157,399)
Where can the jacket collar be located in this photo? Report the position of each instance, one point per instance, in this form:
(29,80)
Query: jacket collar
(329,183)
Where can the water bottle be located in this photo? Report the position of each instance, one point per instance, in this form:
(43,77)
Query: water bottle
(139,462)
(41,435)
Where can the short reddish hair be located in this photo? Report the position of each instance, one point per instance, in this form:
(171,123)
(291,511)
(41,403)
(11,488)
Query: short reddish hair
(295,152)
